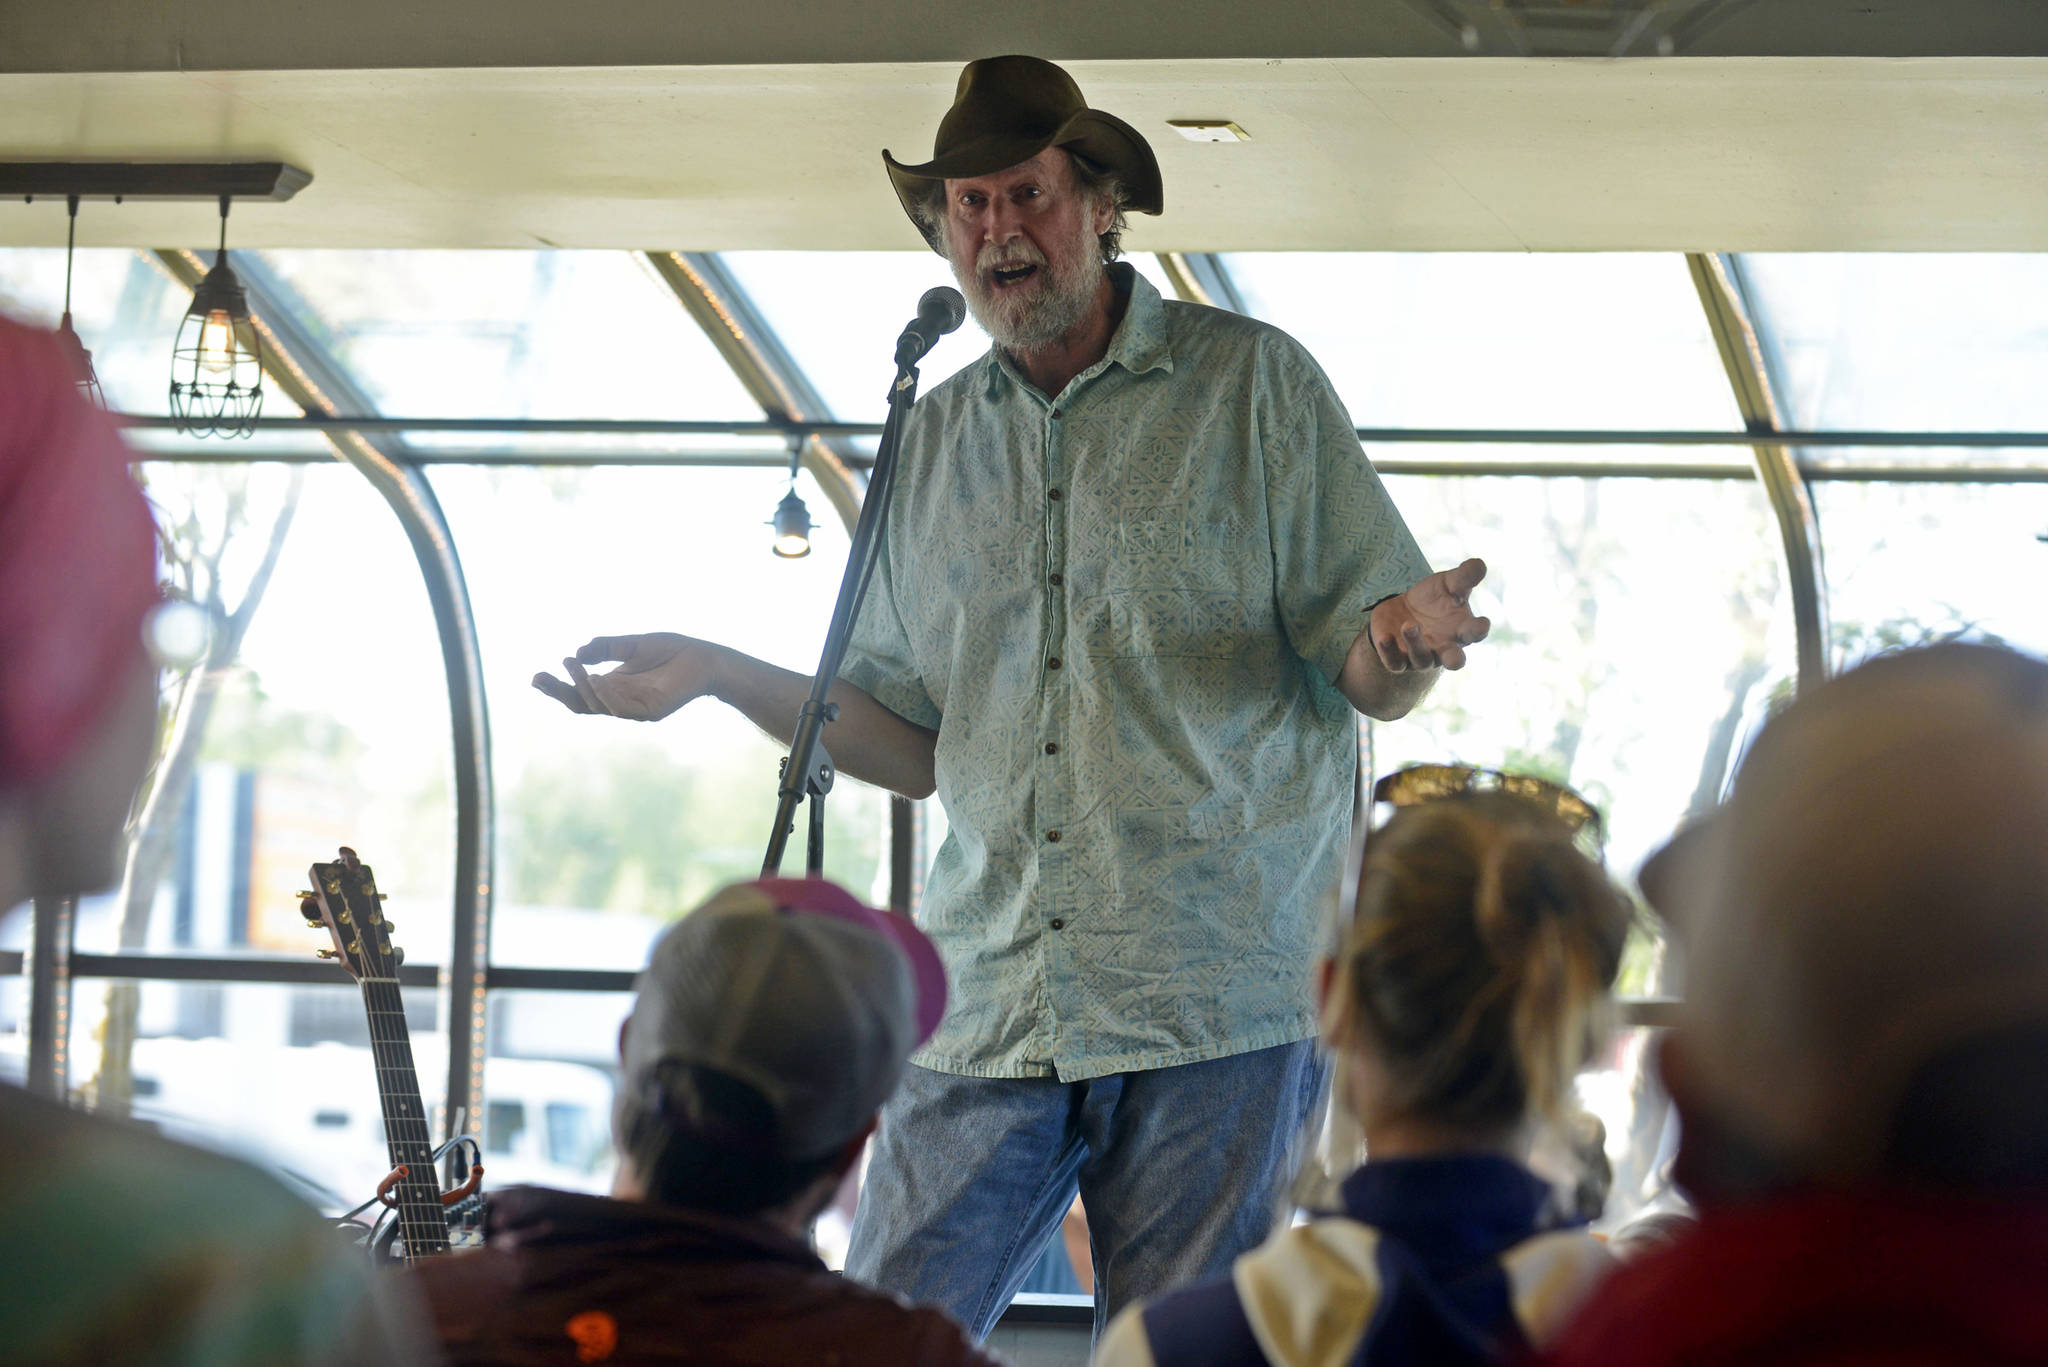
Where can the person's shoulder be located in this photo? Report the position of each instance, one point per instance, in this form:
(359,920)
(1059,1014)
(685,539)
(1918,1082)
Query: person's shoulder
(1205,331)
(1551,1275)
(128,1163)
(885,1330)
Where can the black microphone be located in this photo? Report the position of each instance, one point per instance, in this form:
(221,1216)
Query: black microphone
(938,313)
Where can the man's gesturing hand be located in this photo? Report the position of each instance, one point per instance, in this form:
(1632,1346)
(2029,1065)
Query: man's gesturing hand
(657,673)
(1432,623)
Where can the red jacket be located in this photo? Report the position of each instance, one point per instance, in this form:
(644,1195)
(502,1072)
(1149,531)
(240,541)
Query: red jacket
(1877,1279)
(565,1278)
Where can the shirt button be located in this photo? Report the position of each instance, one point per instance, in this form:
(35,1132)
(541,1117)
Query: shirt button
(1053,494)
(1053,663)
(1055,579)
(1052,747)
(1056,413)
(1057,923)
(1053,836)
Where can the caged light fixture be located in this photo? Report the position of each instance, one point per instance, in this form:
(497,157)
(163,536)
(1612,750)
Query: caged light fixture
(217,361)
(81,359)
(792,520)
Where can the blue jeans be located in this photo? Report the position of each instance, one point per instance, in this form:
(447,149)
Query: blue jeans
(1180,1170)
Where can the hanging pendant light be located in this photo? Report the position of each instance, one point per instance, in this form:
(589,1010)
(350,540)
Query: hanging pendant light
(217,363)
(792,520)
(81,359)
(792,527)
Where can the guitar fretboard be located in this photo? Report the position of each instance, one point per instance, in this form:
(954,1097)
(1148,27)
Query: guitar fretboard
(418,1193)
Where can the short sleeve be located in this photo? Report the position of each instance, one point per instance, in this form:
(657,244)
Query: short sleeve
(1339,544)
(880,660)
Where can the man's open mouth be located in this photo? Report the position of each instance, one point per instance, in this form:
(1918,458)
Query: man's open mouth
(1006,276)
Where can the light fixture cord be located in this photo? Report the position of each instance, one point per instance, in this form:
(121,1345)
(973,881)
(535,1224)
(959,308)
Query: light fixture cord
(222,250)
(70,241)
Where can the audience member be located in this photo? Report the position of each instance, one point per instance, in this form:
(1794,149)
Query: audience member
(1471,988)
(770,1026)
(119,1246)
(1861,1060)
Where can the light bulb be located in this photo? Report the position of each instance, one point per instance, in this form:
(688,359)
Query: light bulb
(217,343)
(792,523)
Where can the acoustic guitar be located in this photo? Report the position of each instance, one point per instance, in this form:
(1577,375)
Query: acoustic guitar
(345,902)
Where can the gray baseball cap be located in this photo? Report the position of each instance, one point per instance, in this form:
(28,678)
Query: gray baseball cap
(793,987)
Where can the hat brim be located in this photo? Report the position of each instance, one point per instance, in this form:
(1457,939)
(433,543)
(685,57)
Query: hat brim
(1102,138)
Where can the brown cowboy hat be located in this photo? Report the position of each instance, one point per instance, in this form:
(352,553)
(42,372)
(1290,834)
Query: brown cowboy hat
(1009,109)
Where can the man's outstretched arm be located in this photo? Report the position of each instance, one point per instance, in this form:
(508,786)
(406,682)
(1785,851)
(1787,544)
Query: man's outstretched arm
(660,671)
(1410,640)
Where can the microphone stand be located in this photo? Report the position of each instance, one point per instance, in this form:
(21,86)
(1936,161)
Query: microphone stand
(807,771)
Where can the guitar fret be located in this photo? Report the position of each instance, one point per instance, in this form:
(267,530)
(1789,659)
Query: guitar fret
(408,1141)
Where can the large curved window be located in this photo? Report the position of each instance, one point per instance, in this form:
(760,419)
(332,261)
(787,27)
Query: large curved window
(290,1083)
(1910,343)
(318,717)
(1501,341)
(607,830)
(552,334)
(1639,628)
(1909,564)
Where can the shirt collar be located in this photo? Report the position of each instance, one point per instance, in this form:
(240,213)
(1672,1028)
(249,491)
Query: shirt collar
(1139,343)
(1460,1205)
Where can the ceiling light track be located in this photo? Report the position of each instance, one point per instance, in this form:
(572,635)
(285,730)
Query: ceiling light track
(118,180)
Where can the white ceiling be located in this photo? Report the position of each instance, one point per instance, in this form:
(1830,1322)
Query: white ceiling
(1739,153)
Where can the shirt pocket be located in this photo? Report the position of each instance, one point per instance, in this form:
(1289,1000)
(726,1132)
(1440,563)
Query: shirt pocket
(1179,588)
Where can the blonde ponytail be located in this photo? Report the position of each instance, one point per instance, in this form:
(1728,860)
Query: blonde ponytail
(1480,958)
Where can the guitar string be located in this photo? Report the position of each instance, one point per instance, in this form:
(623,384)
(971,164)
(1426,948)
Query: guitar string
(422,1175)
(419,1194)
(419,1199)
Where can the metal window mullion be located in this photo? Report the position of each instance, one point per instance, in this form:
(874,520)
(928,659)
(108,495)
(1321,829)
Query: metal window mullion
(296,361)
(53,921)
(1202,278)
(1777,465)
(765,368)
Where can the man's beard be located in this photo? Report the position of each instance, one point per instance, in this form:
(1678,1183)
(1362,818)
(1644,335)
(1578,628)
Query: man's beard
(1048,307)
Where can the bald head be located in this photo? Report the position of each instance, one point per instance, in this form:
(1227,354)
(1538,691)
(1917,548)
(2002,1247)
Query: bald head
(1874,892)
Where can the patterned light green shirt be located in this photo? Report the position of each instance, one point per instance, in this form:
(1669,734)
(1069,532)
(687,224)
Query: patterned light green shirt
(1122,610)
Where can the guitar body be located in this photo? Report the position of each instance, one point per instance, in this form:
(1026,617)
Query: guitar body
(345,902)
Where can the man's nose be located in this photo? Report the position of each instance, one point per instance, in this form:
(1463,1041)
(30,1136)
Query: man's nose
(1001,223)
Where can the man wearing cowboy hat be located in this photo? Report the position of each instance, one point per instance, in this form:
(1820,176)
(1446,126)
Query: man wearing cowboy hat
(1138,576)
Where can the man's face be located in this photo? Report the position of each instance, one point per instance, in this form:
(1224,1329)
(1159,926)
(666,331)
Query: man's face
(1023,246)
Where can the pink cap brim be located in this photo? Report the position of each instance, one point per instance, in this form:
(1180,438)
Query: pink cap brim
(824,898)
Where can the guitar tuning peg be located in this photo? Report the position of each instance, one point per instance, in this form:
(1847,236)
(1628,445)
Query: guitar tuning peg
(305,895)
(390,926)
(355,946)
(398,955)
(327,954)
(383,897)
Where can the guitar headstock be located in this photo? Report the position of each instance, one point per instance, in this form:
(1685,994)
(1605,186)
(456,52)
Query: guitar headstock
(345,901)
